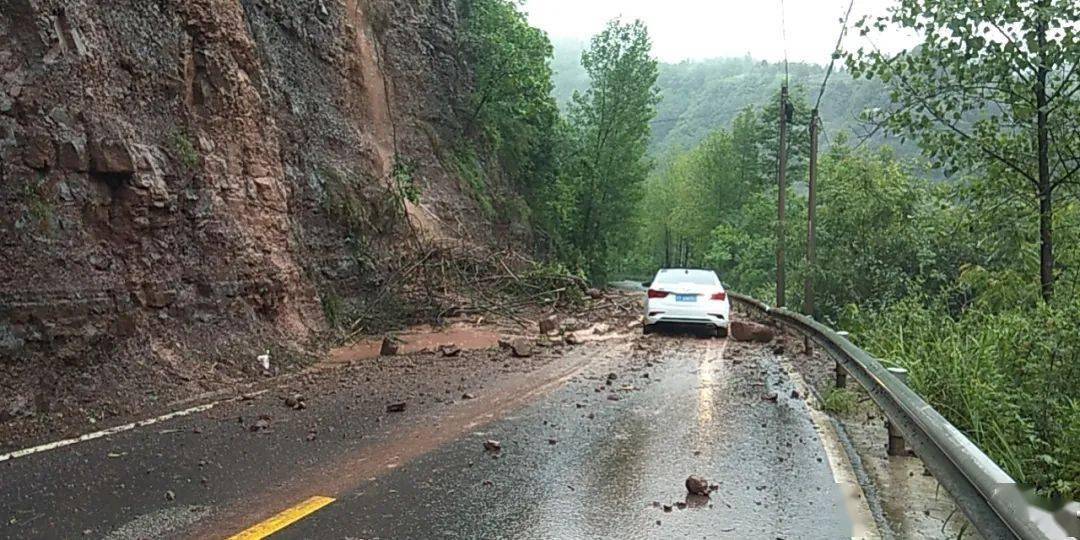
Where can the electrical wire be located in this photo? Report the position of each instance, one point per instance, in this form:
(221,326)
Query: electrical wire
(835,54)
(783,37)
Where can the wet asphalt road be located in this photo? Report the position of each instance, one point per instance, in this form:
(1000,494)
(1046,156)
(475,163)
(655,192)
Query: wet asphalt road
(580,458)
(615,464)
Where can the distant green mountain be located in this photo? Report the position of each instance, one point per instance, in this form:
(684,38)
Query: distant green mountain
(701,96)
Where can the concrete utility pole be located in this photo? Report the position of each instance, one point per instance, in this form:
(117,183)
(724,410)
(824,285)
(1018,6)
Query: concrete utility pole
(781,181)
(811,203)
(811,206)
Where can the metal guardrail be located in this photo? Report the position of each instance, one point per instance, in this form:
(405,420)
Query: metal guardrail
(990,498)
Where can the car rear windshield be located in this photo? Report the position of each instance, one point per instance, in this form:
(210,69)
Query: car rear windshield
(697,277)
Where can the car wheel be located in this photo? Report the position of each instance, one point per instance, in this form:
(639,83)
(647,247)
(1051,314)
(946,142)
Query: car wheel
(721,332)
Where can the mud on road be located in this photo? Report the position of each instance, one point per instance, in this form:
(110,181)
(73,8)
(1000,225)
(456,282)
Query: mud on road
(596,440)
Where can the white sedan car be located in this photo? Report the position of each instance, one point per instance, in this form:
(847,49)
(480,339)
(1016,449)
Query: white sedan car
(684,296)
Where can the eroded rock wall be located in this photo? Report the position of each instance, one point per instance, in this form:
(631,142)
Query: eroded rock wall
(184,177)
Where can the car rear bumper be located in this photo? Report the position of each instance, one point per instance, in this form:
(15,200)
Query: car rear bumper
(684,318)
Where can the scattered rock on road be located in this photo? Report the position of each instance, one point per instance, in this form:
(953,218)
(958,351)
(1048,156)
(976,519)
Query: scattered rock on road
(572,339)
(396,407)
(450,350)
(296,402)
(749,331)
(594,293)
(389,346)
(549,324)
(697,485)
(467,395)
(572,324)
(601,329)
(770,397)
(521,347)
(19,406)
(262,424)
(491,445)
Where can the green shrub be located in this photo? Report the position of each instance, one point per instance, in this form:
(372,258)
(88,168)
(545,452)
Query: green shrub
(333,309)
(184,150)
(470,169)
(840,401)
(403,174)
(1007,379)
(39,206)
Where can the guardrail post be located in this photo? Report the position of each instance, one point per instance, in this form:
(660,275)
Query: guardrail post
(896,440)
(841,374)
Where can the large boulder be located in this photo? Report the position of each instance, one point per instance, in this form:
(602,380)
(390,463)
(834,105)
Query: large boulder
(749,331)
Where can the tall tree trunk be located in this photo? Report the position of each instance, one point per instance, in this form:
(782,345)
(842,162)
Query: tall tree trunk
(1046,189)
(667,247)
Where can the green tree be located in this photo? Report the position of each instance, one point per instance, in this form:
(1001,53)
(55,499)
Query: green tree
(991,88)
(610,123)
(511,110)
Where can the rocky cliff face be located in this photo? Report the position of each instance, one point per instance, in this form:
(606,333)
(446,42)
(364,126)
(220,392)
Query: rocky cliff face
(196,177)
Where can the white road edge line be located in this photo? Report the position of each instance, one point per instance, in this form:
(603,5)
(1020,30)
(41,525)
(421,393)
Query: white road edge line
(119,429)
(864,527)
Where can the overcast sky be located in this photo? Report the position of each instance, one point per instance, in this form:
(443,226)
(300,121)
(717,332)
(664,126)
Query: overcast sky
(696,29)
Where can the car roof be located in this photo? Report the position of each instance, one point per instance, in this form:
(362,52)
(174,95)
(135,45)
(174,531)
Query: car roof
(686,271)
(673,273)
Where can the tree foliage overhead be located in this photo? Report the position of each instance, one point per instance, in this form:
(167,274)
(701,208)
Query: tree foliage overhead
(992,87)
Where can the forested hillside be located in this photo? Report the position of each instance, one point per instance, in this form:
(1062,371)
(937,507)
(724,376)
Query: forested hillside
(701,96)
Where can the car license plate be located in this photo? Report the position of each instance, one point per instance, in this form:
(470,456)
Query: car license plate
(686,298)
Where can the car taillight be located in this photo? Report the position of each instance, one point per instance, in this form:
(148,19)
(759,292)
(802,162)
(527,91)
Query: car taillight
(653,293)
(720,296)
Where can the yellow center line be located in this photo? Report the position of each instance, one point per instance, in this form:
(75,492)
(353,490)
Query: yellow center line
(282,520)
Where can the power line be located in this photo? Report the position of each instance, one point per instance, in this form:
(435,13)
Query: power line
(836,52)
(783,37)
